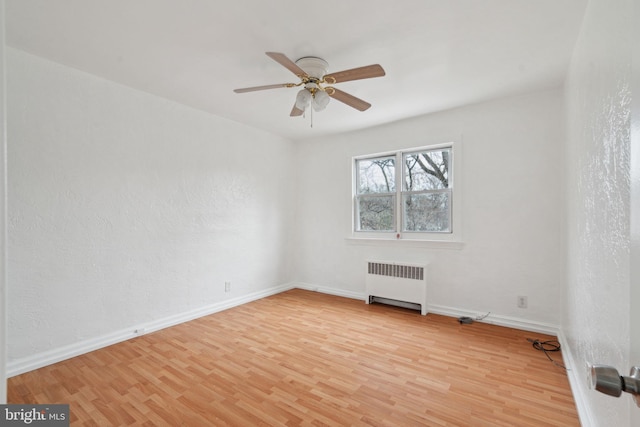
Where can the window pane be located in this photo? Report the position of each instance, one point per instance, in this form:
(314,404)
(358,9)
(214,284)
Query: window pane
(376,175)
(375,213)
(427,170)
(426,212)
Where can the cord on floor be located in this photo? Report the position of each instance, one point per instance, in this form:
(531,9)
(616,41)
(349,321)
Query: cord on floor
(547,347)
(464,320)
(483,317)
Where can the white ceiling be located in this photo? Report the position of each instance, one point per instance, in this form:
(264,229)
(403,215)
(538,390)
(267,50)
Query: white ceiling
(438,54)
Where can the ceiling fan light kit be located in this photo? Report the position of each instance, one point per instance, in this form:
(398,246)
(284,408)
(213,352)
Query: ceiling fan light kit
(303,99)
(318,89)
(320,100)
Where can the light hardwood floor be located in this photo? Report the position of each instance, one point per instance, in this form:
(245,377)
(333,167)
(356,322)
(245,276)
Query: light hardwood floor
(305,358)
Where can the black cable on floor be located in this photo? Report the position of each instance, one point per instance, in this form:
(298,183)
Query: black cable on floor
(547,347)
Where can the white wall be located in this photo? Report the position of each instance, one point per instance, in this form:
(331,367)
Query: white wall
(126,209)
(511,180)
(596,314)
(634,296)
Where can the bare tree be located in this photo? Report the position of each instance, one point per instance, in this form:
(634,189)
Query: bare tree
(436,166)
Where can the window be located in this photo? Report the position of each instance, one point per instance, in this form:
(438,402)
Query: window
(408,192)
(376,194)
(426,195)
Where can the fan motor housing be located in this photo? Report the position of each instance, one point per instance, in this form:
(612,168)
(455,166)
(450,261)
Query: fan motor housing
(313,66)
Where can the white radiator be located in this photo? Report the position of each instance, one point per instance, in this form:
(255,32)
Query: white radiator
(397,283)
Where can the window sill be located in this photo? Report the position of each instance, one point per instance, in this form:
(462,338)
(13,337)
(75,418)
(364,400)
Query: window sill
(409,243)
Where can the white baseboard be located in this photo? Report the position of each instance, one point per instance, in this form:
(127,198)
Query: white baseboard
(329,290)
(496,319)
(574,371)
(29,363)
(510,322)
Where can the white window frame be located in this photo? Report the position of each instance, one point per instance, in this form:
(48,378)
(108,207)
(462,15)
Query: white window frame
(455,212)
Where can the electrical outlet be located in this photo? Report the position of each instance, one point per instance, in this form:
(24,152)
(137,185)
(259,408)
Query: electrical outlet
(522,302)
(227,286)
(139,331)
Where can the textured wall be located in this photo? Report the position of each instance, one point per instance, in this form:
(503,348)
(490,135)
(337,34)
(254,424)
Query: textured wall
(598,93)
(125,208)
(635,203)
(511,175)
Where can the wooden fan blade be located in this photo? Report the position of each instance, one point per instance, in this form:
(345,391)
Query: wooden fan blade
(367,72)
(253,89)
(348,99)
(295,111)
(282,59)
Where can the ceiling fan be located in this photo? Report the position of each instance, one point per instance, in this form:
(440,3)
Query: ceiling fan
(318,88)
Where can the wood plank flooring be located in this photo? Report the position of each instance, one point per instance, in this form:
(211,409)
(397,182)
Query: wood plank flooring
(310,359)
